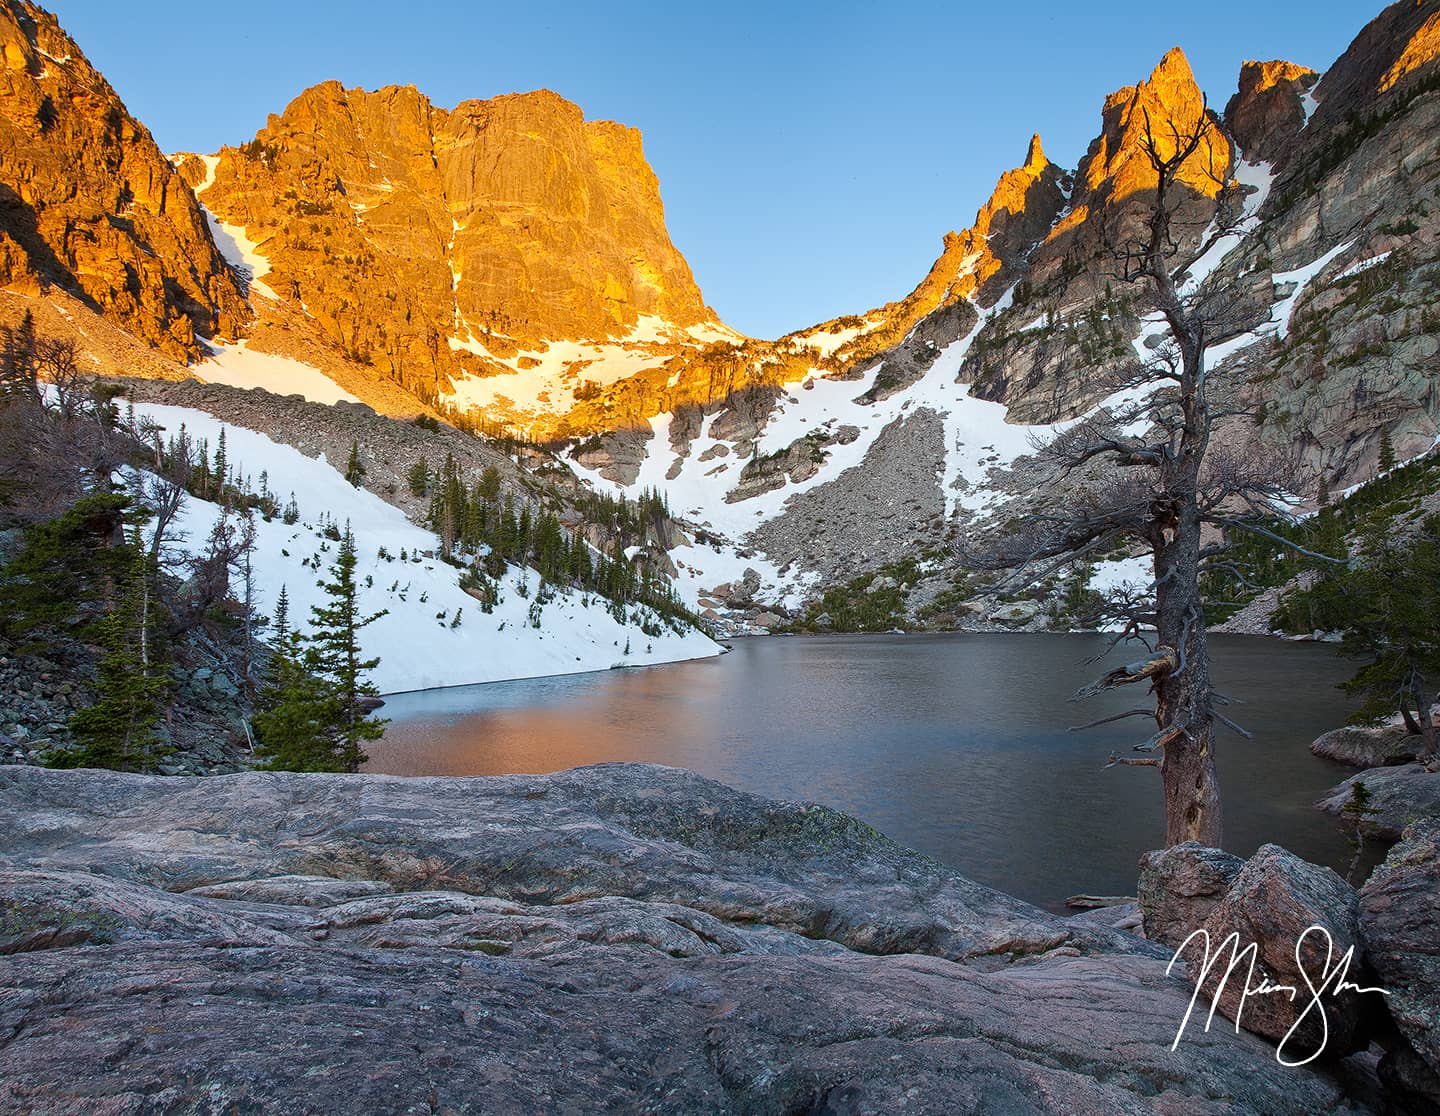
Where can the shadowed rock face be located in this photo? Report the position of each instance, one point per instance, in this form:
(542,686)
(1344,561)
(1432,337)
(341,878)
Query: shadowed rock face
(645,833)
(1364,746)
(618,938)
(1396,797)
(1266,113)
(1398,46)
(89,204)
(1180,886)
(1399,911)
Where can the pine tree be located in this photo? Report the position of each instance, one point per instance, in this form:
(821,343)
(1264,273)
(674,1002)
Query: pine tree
(355,468)
(419,478)
(1322,494)
(118,730)
(333,652)
(202,473)
(282,615)
(18,367)
(297,709)
(1387,451)
(222,466)
(490,485)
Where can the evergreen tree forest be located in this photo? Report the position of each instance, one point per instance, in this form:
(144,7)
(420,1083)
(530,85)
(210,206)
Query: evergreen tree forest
(485,530)
(79,582)
(1385,606)
(93,585)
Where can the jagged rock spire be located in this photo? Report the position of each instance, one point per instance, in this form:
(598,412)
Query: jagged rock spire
(1035,160)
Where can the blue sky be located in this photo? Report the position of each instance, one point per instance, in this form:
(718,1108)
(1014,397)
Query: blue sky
(811,155)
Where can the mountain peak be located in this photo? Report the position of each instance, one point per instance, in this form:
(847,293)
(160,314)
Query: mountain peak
(1262,76)
(1115,167)
(1173,67)
(92,206)
(1035,160)
(486,231)
(1266,111)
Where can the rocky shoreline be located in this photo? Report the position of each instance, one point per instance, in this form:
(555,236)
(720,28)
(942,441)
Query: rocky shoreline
(622,937)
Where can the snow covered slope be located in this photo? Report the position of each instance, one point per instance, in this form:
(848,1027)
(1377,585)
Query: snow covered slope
(416,642)
(240,366)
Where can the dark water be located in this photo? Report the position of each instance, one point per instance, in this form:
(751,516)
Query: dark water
(954,744)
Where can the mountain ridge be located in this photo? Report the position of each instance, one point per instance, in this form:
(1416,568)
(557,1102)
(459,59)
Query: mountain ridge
(89,205)
(334,221)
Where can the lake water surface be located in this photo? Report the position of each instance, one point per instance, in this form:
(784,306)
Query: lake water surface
(954,744)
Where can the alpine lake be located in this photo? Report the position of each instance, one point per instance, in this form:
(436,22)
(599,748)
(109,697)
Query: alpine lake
(955,744)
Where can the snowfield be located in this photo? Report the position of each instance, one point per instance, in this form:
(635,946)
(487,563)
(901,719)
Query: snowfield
(238,366)
(418,649)
(1136,573)
(543,381)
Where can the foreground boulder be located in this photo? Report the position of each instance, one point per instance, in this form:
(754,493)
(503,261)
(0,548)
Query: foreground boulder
(1395,798)
(1364,746)
(648,833)
(1180,886)
(1274,900)
(616,938)
(1399,916)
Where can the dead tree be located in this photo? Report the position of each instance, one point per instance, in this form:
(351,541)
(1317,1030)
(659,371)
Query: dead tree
(59,438)
(1156,481)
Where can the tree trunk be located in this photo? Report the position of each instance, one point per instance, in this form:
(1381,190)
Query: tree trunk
(1182,698)
(1424,716)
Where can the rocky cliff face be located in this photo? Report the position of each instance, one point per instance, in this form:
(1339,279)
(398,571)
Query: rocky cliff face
(1268,109)
(1325,327)
(88,204)
(431,243)
(509,259)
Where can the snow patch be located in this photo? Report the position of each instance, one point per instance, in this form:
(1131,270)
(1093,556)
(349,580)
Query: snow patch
(211,162)
(1260,177)
(828,342)
(710,333)
(240,252)
(1309,102)
(239,366)
(417,649)
(1284,310)
(1111,574)
(1363,265)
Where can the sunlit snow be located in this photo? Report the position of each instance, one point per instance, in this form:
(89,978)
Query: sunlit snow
(239,366)
(418,648)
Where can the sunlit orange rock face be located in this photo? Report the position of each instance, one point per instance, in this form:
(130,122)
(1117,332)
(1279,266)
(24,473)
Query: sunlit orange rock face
(401,225)
(1019,211)
(1423,46)
(1266,112)
(1116,167)
(89,204)
(1115,179)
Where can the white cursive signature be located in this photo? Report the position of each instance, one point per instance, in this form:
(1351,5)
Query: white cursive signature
(1333,980)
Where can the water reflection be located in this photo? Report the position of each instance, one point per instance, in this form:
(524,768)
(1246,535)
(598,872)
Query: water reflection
(955,744)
